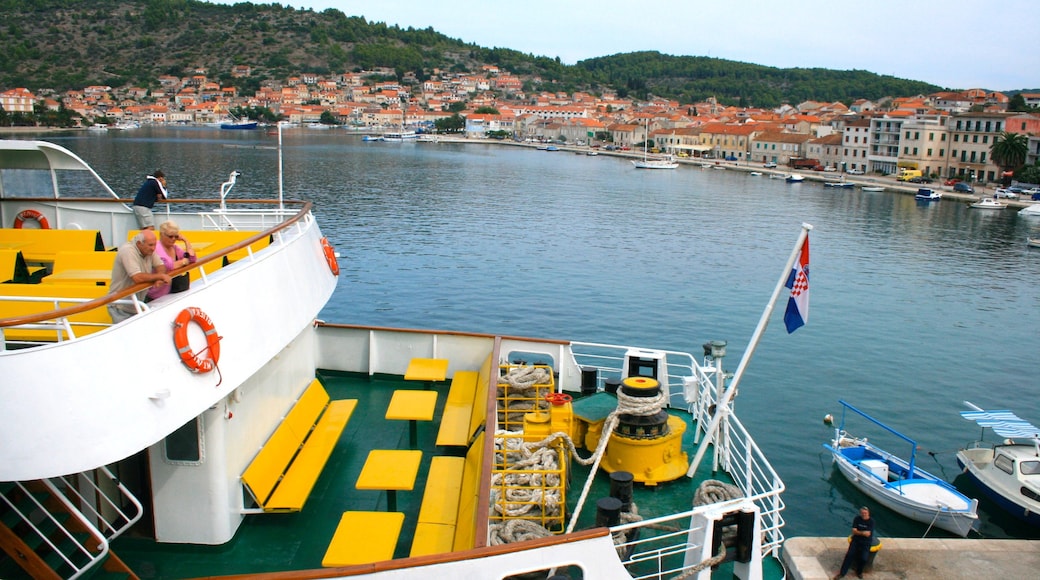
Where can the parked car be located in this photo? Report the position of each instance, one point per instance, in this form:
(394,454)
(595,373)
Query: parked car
(855,172)
(830,168)
(961,187)
(920,179)
(769,165)
(1006,193)
(952,181)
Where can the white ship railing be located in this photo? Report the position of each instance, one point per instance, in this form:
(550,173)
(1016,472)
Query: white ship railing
(739,455)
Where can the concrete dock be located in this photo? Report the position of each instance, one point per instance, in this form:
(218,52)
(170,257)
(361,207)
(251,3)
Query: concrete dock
(911,558)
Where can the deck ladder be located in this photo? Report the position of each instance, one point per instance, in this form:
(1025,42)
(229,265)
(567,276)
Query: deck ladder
(60,528)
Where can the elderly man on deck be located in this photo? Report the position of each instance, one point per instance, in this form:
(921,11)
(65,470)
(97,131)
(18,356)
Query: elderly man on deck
(136,262)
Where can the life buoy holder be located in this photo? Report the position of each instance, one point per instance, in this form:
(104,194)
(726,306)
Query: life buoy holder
(330,256)
(558,399)
(197,363)
(31,214)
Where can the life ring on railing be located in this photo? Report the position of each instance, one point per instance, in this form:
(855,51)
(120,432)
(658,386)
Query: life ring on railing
(330,256)
(558,399)
(31,214)
(193,361)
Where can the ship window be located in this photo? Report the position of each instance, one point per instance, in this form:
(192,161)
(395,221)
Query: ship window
(1004,463)
(1029,467)
(1029,493)
(185,444)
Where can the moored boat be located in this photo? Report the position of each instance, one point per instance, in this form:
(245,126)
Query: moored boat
(400,135)
(988,204)
(926,194)
(795,178)
(1008,472)
(899,484)
(255,429)
(1031,210)
(872,188)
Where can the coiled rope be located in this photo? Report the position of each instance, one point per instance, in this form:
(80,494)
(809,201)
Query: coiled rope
(518,393)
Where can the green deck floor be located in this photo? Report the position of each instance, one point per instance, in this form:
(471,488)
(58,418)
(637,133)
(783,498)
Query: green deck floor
(294,541)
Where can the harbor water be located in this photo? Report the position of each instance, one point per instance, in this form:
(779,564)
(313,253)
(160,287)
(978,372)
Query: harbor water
(915,308)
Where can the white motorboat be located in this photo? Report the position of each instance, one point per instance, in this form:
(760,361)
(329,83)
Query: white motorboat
(1033,242)
(1029,211)
(926,194)
(755,173)
(899,484)
(1008,472)
(872,188)
(988,203)
(400,136)
(795,178)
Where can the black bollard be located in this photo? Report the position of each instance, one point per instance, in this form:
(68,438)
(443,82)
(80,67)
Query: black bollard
(589,378)
(621,488)
(608,512)
(611,385)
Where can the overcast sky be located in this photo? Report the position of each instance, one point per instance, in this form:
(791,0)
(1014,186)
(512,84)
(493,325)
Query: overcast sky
(956,44)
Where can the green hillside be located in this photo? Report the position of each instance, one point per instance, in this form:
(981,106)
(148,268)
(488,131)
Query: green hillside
(70,44)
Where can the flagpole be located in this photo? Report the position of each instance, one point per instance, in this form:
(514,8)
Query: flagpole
(722,405)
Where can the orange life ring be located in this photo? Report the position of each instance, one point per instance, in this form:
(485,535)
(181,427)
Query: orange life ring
(330,256)
(195,362)
(31,214)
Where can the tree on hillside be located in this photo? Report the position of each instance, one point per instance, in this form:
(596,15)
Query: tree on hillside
(1009,150)
(1017,103)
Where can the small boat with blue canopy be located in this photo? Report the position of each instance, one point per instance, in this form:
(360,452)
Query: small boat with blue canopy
(899,484)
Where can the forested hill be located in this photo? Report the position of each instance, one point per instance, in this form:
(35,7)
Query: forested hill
(70,44)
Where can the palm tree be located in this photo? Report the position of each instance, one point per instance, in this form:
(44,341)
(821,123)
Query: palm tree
(1009,150)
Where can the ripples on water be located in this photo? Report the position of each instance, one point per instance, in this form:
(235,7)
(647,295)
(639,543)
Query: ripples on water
(915,308)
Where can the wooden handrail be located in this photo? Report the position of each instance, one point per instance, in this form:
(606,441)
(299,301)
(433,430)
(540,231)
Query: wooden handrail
(417,561)
(104,300)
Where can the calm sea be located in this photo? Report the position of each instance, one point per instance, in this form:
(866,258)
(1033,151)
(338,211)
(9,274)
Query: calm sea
(914,308)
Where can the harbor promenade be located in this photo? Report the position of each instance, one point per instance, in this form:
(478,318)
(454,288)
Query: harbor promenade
(889,182)
(913,558)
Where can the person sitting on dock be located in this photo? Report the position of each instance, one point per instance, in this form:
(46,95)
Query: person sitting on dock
(152,190)
(859,545)
(135,263)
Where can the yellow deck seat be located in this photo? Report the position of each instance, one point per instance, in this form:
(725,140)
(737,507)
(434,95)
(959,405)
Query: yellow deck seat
(284,471)
(43,245)
(447,516)
(83,323)
(363,538)
(458,410)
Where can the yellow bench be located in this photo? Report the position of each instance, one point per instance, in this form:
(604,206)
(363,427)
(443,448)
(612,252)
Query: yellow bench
(82,324)
(465,407)
(447,516)
(81,268)
(363,538)
(284,471)
(42,245)
(67,260)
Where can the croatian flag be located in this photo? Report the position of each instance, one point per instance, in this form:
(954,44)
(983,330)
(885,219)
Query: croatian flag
(798,305)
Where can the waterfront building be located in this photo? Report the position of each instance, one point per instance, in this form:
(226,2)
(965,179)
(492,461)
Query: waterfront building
(885,134)
(973,134)
(778,147)
(924,145)
(855,142)
(826,149)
